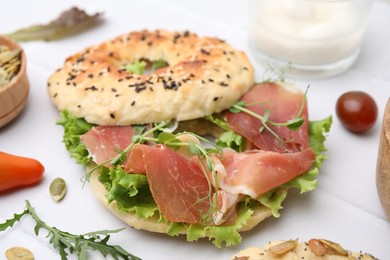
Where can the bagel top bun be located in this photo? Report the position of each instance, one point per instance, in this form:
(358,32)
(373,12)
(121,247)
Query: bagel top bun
(203,76)
(314,249)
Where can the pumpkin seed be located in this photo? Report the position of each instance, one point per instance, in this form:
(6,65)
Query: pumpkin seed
(18,253)
(9,64)
(335,247)
(283,247)
(57,189)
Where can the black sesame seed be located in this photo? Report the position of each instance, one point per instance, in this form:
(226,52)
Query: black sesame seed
(204,51)
(133,103)
(80,60)
(112,116)
(90,76)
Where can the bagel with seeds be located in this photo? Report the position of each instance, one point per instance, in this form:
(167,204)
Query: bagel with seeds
(202,76)
(314,249)
(129,129)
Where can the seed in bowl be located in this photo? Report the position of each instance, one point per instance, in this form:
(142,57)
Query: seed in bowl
(9,64)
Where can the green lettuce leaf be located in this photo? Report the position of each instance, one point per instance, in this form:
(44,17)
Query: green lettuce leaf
(306,182)
(74,128)
(130,191)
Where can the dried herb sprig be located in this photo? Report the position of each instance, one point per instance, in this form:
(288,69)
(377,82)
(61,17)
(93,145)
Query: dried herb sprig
(70,22)
(66,242)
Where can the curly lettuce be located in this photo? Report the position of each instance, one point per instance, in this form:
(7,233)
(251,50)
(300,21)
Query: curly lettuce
(74,128)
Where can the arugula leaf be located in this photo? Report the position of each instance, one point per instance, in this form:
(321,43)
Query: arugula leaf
(66,242)
(10,222)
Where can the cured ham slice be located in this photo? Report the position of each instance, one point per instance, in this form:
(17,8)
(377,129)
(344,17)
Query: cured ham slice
(104,142)
(284,103)
(179,188)
(256,172)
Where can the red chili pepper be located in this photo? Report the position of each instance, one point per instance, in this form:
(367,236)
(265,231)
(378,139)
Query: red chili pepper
(17,171)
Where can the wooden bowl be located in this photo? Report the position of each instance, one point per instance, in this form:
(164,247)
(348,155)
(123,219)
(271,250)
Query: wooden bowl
(13,96)
(383,163)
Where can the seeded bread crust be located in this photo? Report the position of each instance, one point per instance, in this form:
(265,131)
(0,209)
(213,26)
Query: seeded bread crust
(300,251)
(152,224)
(204,75)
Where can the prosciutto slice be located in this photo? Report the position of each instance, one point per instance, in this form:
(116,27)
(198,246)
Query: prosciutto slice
(179,188)
(104,142)
(284,103)
(256,172)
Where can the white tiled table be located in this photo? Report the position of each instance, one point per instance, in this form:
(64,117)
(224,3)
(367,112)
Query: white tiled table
(345,208)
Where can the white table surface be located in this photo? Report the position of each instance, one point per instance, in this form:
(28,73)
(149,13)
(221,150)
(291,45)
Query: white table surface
(345,207)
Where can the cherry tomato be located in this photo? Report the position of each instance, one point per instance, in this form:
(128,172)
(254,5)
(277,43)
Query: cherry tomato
(17,171)
(357,111)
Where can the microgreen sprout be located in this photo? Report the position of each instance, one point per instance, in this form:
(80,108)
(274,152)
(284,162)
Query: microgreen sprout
(293,124)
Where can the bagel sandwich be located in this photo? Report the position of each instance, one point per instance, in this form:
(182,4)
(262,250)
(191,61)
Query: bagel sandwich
(193,147)
(315,249)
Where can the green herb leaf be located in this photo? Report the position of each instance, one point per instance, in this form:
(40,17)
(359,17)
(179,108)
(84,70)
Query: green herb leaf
(236,108)
(231,139)
(120,158)
(70,22)
(169,139)
(159,64)
(66,242)
(295,123)
(216,119)
(194,149)
(137,67)
(139,129)
(10,222)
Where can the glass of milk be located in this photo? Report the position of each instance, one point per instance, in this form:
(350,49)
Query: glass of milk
(307,38)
